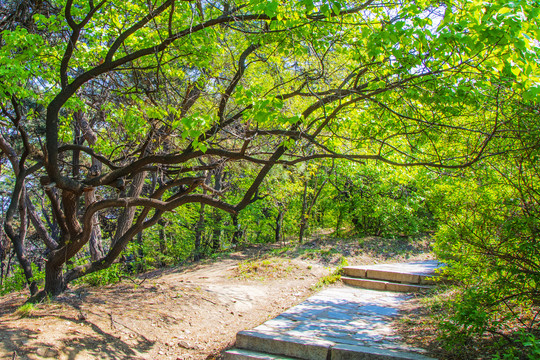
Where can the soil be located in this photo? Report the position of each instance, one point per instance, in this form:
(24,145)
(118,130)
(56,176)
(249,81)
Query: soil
(189,312)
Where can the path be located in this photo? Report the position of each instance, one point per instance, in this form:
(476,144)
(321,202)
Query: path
(342,322)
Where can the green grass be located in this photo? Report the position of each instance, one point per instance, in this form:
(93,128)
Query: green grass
(262,269)
(332,278)
(26,310)
(327,280)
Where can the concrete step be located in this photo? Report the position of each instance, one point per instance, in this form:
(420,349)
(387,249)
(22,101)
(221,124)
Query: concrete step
(242,354)
(386,275)
(339,323)
(337,352)
(418,273)
(383,285)
(353,352)
(278,344)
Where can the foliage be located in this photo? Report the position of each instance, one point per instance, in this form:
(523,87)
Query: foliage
(380,200)
(111,275)
(488,234)
(527,346)
(178,129)
(15,282)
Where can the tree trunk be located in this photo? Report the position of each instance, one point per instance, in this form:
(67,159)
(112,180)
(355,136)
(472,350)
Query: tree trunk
(216,236)
(303,215)
(162,238)
(125,220)
(17,202)
(279,224)
(26,267)
(303,224)
(4,247)
(38,225)
(18,239)
(54,279)
(140,252)
(237,231)
(198,234)
(8,265)
(50,220)
(95,243)
(307,210)
(3,253)
(83,131)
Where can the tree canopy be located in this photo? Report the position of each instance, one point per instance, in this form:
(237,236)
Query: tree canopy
(134,110)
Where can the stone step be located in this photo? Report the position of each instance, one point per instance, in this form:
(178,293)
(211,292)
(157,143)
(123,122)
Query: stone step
(383,285)
(418,273)
(278,344)
(242,354)
(337,352)
(353,352)
(387,276)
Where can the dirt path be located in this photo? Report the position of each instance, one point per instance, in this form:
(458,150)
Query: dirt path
(179,313)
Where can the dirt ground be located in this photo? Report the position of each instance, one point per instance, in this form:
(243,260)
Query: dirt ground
(190,312)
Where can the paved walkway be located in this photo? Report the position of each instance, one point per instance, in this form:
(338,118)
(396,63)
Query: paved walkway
(352,320)
(422,268)
(344,315)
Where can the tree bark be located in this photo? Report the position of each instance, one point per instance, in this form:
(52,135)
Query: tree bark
(162,237)
(237,230)
(19,246)
(125,220)
(18,239)
(38,225)
(95,243)
(216,233)
(279,224)
(54,279)
(19,193)
(198,234)
(303,215)
(216,236)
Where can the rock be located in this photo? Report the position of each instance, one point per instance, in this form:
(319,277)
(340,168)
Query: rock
(184,344)
(47,352)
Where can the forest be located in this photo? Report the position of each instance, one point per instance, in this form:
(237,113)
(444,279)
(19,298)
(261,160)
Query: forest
(142,134)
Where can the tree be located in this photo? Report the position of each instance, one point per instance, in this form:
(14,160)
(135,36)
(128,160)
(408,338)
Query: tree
(178,89)
(488,233)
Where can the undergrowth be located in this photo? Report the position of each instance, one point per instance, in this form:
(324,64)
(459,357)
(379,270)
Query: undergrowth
(26,310)
(261,269)
(331,278)
(455,323)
